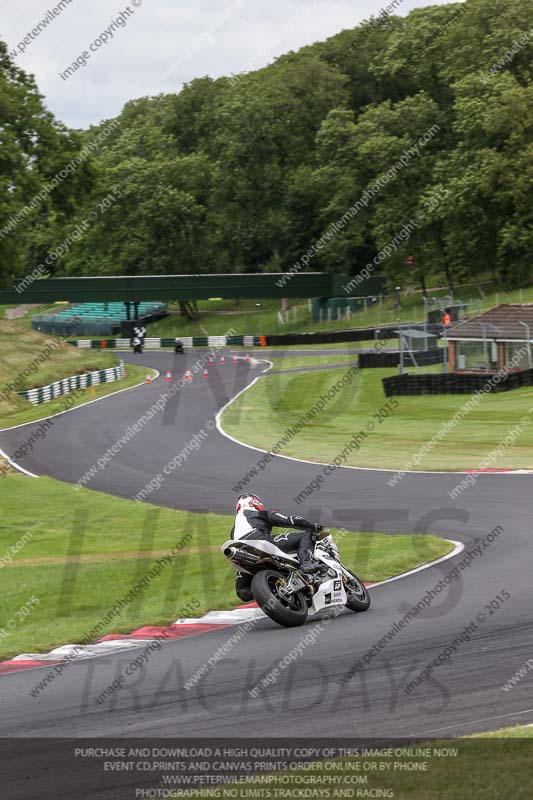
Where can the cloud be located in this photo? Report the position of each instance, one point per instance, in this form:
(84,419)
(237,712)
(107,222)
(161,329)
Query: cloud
(162,44)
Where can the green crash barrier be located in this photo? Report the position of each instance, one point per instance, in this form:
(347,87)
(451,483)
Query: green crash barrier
(43,394)
(195,341)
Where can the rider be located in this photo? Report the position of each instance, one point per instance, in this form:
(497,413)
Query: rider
(252,521)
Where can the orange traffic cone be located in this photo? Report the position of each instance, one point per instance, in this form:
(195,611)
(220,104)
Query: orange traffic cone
(211,362)
(235,360)
(188,376)
(206,373)
(169,377)
(148,379)
(248,359)
(222,360)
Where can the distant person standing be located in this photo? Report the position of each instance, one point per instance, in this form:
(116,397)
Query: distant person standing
(446,319)
(178,346)
(137,344)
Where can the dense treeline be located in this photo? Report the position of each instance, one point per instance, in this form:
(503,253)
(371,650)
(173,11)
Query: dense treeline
(36,206)
(404,136)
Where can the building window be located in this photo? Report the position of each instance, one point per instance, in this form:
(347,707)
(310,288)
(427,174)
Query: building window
(472,356)
(516,355)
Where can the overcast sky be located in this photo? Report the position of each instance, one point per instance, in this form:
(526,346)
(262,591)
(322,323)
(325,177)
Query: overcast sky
(155,46)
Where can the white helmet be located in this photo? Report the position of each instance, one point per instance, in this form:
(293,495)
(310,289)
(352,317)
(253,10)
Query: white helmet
(249,501)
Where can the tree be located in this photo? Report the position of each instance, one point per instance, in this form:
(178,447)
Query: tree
(34,196)
(258,171)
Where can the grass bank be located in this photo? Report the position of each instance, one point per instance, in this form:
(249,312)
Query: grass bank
(293,362)
(79,552)
(393,436)
(30,359)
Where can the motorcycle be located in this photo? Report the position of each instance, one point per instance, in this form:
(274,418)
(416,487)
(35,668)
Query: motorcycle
(287,595)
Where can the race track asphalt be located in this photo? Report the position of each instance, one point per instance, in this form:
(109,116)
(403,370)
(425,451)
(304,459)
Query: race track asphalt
(464,693)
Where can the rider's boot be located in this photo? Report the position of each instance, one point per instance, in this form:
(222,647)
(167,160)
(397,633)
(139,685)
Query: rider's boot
(308,565)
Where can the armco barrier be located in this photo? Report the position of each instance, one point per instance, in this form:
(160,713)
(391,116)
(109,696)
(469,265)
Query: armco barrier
(355,335)
(46,393)
(456,383)
(157,343)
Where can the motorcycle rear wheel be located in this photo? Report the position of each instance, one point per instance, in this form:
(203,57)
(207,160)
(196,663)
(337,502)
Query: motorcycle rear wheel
(289,613)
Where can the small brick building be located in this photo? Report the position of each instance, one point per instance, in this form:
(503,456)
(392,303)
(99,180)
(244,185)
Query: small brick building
(493,340)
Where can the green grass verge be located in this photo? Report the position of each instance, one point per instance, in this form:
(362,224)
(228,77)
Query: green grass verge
(518,732)
(488,766)
(26,412)
(46,359)
(3,310)
(292,362)
(25,319)
(83,551)
(262,414)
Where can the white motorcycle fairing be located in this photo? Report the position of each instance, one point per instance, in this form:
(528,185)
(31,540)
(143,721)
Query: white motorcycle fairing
(331,591)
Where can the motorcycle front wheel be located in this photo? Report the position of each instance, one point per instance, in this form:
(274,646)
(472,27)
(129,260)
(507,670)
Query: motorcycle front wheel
(288,612)
(358,595)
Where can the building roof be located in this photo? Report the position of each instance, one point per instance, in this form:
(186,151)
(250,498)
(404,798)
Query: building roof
(502,322)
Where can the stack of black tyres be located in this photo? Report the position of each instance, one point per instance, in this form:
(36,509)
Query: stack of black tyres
(455,383)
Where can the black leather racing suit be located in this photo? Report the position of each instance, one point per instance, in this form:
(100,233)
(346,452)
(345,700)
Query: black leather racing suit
(262,523)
